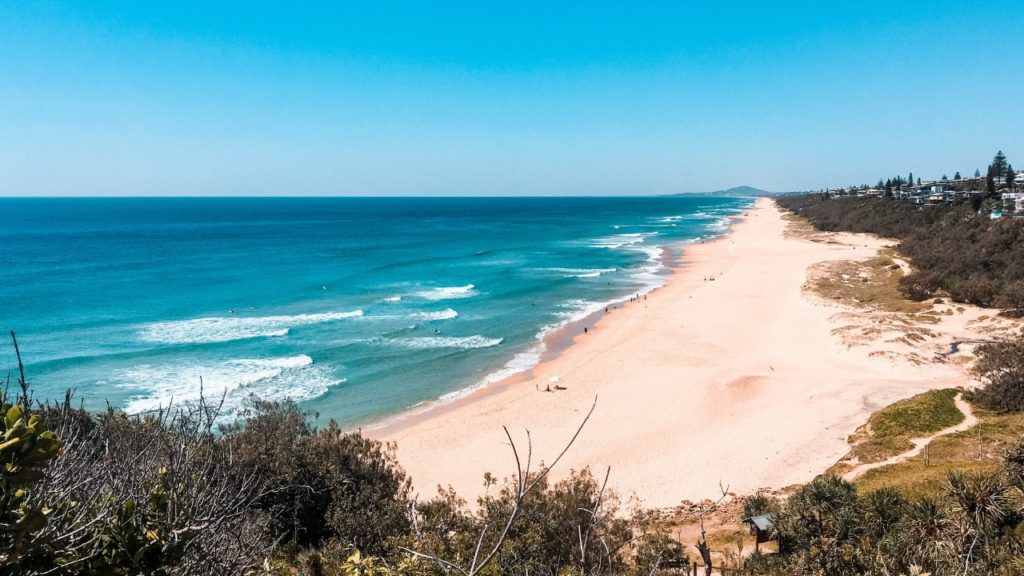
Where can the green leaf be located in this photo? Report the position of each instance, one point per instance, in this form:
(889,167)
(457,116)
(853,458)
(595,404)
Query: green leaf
(13,416)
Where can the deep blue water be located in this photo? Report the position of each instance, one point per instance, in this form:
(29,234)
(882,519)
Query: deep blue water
(357,307)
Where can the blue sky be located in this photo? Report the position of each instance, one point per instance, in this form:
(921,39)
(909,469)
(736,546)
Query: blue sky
(475,98)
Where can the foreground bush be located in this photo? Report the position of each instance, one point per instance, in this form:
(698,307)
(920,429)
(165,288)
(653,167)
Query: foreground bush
(328,484)
(826,528)
(150,495)
(172,493)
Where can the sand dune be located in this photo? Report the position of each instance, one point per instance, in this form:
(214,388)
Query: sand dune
(739,381)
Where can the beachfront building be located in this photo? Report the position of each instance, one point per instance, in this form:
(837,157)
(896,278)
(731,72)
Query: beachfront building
(1013,201)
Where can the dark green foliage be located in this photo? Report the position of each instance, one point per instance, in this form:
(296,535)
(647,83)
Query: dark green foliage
(826,528)
(821,528)
(1000,367)
(953,249)
(999,164)
(882,511)
(330,484)
(760,504)
(976,202)
(1014,464)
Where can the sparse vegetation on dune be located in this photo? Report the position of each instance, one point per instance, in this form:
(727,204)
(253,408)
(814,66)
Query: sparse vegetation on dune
(873,282)
(955,250)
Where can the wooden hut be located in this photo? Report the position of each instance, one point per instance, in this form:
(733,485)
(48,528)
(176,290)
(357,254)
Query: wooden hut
(761,526)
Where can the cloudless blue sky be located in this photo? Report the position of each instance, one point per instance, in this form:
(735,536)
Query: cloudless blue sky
(368,98)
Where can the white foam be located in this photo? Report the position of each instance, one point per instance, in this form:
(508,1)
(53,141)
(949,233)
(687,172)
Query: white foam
(579,309)
(447,292)
(667,219)
(581,272)
(393,299)
(576,310)
(475,341)
(519,363)
(620,240)
(650,275)
(446,314)
(272,379)
(227,328)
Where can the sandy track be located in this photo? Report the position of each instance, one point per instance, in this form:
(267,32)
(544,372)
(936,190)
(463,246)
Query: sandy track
(919,443)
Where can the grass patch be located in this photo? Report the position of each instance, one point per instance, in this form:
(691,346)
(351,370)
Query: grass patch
(979,449)
(888,431)
(913,478)
(918,416)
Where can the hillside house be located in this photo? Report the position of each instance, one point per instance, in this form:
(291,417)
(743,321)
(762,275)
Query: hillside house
(1013,201)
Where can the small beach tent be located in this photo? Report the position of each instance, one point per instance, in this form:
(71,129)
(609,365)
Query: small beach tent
(761,527)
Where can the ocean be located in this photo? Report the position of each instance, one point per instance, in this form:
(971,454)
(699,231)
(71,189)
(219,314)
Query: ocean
(357,308)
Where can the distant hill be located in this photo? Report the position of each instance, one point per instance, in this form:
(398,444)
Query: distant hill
(743,191)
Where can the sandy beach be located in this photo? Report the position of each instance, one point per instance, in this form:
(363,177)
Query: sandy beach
(731,374)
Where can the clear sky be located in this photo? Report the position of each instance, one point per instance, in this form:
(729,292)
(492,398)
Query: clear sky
(474,98)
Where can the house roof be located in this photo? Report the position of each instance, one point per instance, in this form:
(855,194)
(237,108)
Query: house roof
(763,522)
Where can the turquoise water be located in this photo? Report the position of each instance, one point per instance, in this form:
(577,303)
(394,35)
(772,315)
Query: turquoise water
(357,307)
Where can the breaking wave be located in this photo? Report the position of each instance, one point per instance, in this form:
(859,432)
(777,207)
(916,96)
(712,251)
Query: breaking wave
(228,328)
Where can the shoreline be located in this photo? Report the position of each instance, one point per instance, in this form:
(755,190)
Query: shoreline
(553,343)
(763,396)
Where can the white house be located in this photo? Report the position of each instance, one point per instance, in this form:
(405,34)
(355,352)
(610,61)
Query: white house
(1013,201)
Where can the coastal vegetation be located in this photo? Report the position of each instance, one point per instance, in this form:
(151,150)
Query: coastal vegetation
(829,526)
(889,431)
(955,250)
(171,492)
(1000,368)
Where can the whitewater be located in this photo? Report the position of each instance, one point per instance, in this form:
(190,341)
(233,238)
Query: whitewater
(356,308)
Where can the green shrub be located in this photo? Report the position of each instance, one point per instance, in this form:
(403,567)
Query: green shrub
(1000,368)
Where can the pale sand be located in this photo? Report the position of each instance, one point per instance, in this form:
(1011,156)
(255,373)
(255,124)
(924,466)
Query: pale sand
(737,381)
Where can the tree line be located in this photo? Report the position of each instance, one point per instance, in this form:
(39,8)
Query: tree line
(955,250)
(998,171)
